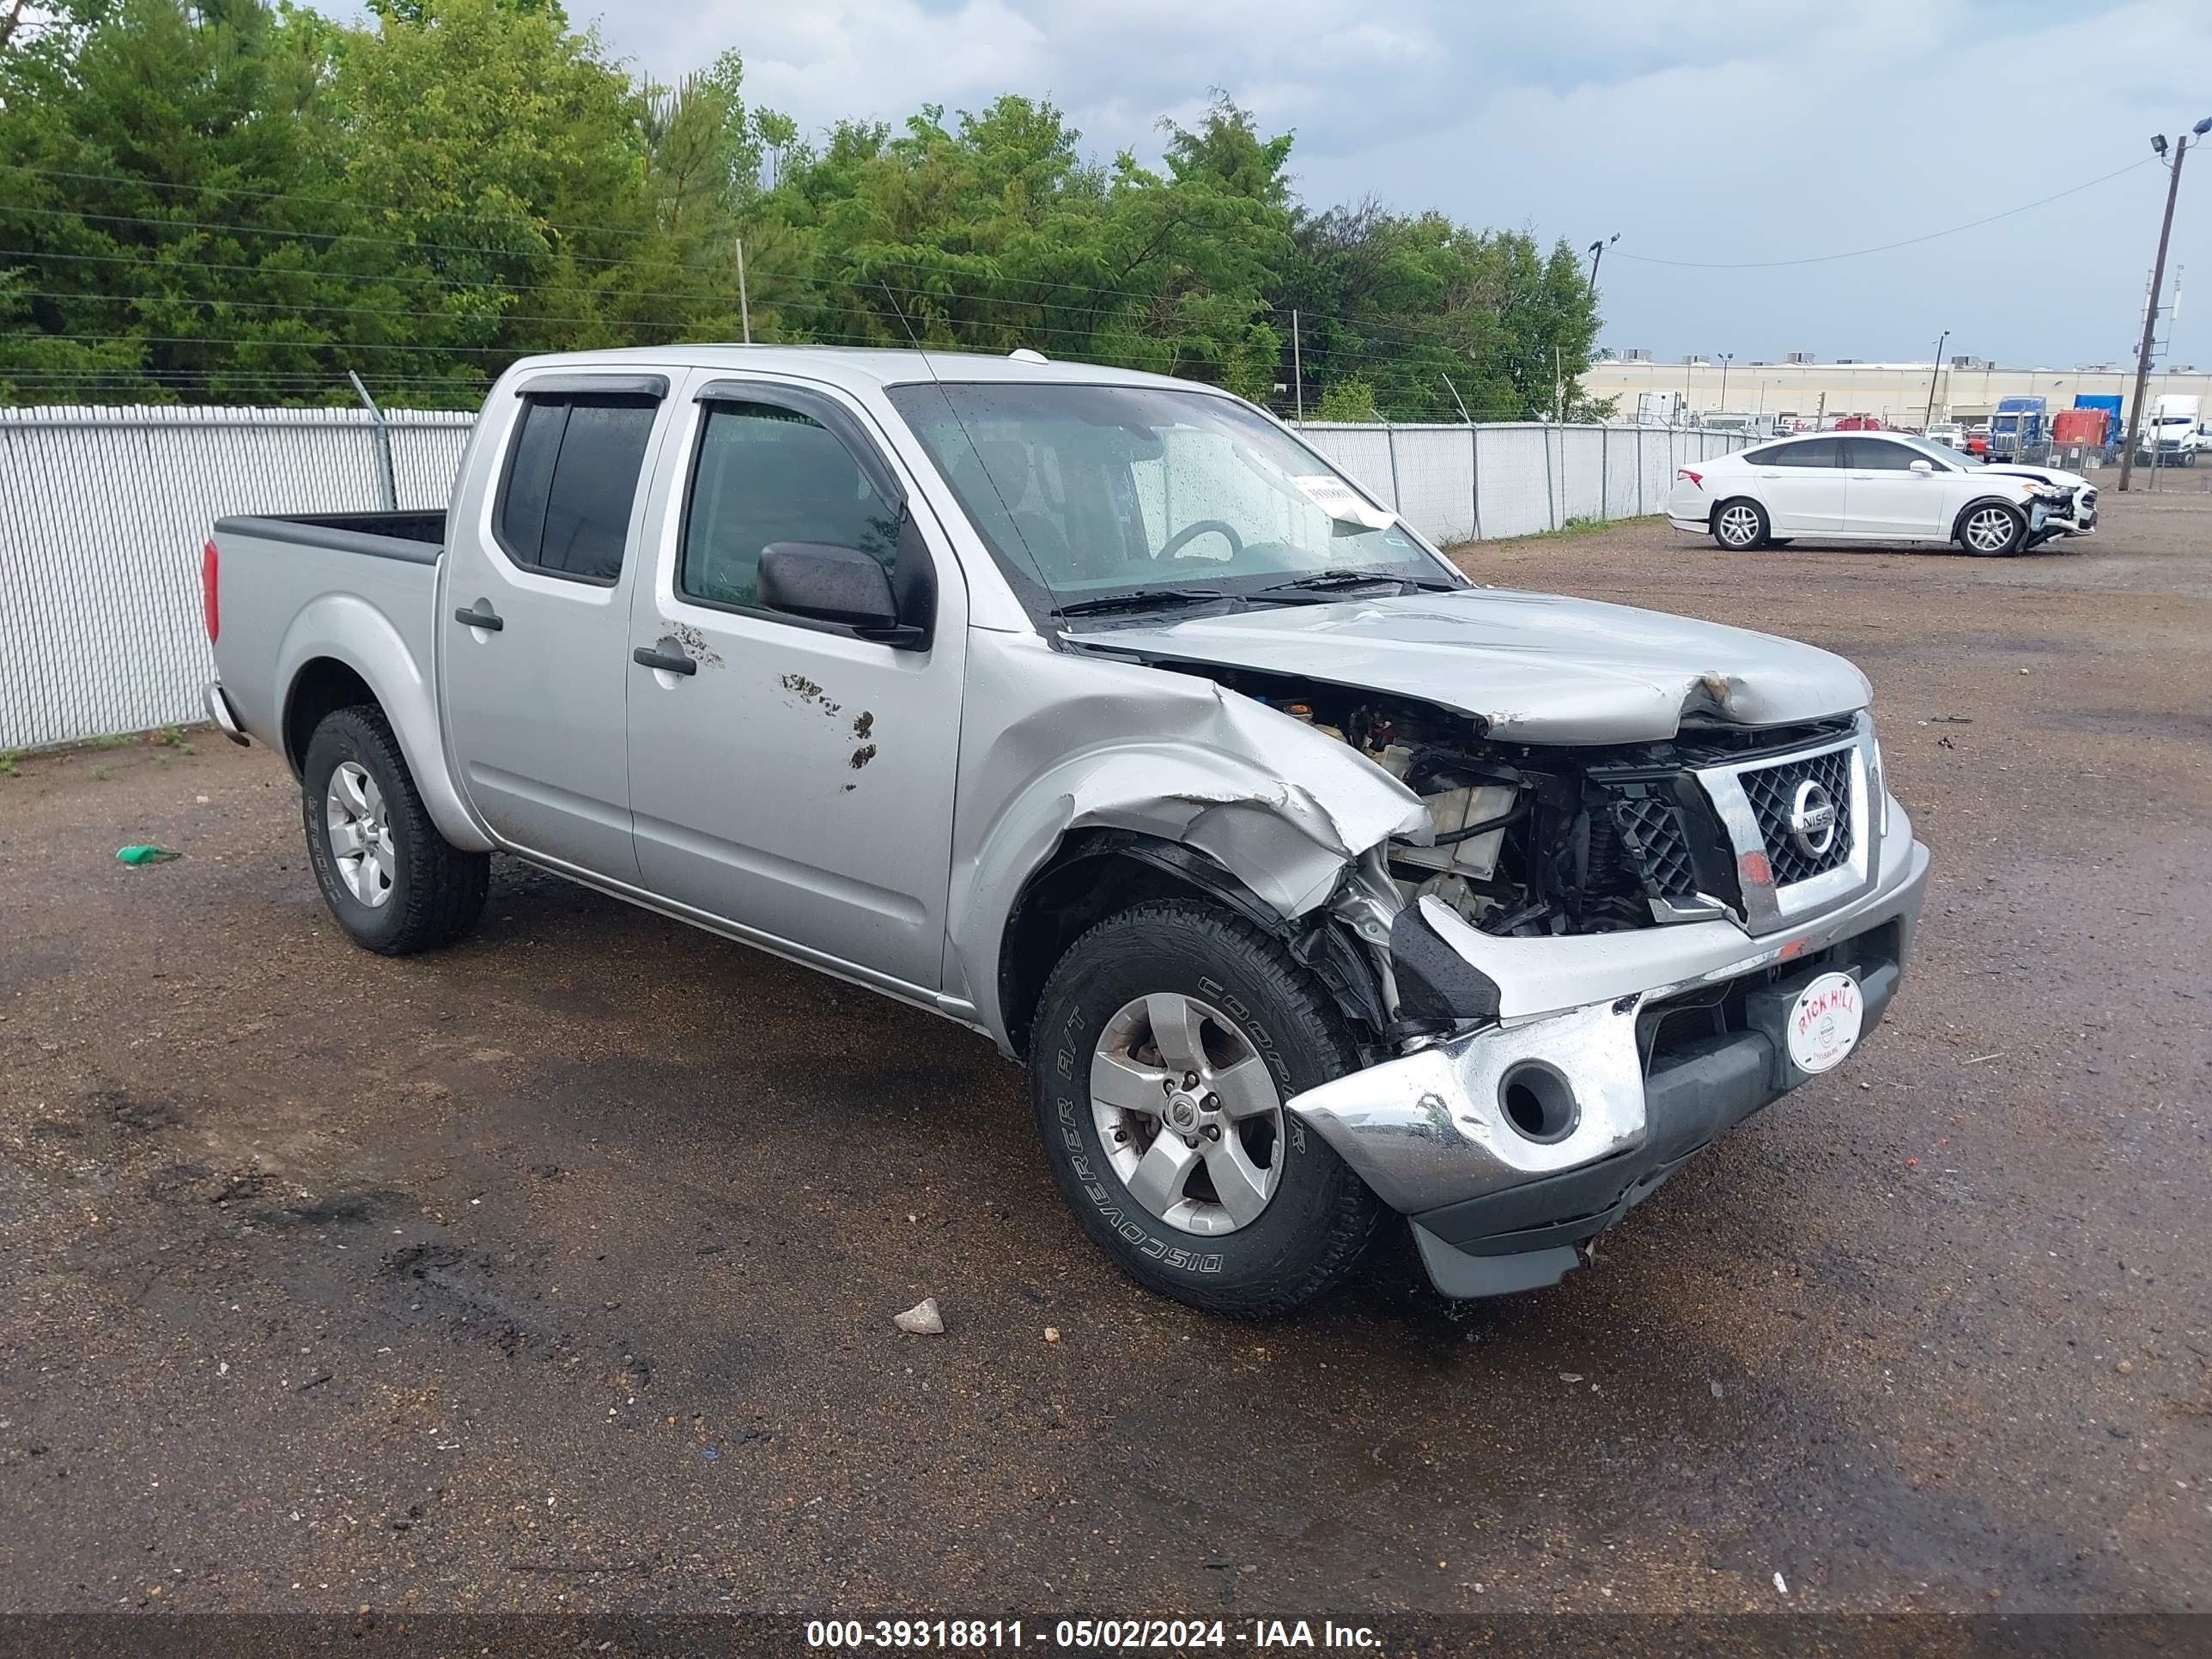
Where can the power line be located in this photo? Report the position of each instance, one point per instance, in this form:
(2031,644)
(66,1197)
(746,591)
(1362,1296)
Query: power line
(948,254)
(406,242)
(317,276)
(466,215)
(1885,247)
(858,284)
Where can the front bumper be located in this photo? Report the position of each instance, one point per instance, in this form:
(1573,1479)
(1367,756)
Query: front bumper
(2074,513)
(1495,1209)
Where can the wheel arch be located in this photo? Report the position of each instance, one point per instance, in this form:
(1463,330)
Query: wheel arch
(1097,873)
(1712,518)
(341,650)
(1958,519)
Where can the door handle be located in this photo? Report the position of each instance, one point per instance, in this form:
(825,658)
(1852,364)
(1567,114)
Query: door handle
(668,662)
(489,620)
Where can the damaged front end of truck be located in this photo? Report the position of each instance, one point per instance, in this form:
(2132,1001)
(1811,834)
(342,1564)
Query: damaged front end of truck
(1572,956)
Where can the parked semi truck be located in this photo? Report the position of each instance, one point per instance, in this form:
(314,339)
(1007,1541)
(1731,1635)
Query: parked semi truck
(1316,885)
(2175,433)
(2017,426)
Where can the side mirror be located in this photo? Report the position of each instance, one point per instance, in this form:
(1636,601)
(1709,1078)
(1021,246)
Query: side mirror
(1923,468)
(830,584)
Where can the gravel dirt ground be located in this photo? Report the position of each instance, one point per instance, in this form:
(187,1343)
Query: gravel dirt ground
(556,1271)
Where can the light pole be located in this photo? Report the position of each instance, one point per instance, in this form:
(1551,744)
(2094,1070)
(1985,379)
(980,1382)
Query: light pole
(1597,252)
(1934,369)
(1727,357)
(2157,280)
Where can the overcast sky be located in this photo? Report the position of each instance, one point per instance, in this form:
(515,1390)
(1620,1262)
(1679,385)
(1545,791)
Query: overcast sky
(1700,130)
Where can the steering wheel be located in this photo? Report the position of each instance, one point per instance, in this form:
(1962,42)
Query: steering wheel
(1191,532)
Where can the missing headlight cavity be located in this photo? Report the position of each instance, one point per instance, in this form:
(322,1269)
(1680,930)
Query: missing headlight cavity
(1538,1101)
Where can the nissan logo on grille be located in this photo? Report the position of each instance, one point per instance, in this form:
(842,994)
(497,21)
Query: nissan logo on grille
(1813,819)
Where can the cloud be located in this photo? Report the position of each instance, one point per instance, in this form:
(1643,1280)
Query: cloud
(1698,128)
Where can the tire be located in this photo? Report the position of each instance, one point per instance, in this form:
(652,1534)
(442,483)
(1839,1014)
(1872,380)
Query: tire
(1741,524)
(423,892)
(1978,530)
(1255,1007)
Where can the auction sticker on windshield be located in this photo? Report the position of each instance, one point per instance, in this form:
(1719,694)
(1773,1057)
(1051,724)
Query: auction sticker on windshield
(1342,503)
(1824,1026)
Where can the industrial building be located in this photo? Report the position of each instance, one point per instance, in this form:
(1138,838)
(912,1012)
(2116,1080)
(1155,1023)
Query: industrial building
(1965,389)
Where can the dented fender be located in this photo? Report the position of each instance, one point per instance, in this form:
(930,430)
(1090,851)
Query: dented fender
(1092,743)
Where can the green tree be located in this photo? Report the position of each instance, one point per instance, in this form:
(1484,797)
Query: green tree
(240,199)
(159,168)
(1348,399)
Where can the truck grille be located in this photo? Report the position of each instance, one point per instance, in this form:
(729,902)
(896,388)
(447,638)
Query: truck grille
(1652,827)
(1773,789)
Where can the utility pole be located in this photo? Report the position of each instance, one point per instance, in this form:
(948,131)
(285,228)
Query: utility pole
(1934,369)
(744,305)
(2157,280)
(1597,252)
(1297,370)
(1727,357)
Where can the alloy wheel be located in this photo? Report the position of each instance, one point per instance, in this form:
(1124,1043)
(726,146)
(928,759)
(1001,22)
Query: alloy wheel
(1739,525)
(1189,1113)
(360,834)
(1990,530)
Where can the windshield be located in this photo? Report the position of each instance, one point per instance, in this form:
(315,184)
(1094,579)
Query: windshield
(1945,453)
(1085,492)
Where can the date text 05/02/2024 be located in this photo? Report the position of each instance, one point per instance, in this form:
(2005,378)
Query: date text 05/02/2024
(1089,1635)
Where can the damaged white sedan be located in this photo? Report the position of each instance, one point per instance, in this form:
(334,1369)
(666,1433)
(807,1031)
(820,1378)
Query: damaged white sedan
(1313,882)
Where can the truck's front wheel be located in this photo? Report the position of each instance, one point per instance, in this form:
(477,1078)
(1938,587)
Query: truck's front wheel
(394,883)
(1166,1042)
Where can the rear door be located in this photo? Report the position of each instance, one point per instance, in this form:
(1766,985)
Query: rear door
(1802,482)
(1886,497)
(534,617)
(797,779)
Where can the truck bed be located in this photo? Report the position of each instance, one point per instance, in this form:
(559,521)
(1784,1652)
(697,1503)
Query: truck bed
(292,587)
(420,536)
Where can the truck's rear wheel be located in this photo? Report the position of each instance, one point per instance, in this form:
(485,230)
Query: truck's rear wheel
(395,884)
(1166,1042)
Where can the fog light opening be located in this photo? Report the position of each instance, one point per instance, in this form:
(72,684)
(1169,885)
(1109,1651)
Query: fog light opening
(1538,1101)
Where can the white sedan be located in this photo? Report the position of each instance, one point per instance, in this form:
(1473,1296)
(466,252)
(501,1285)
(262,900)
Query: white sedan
(1876,486)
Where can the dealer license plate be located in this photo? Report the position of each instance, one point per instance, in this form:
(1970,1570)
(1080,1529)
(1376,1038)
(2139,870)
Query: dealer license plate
(1824,1024)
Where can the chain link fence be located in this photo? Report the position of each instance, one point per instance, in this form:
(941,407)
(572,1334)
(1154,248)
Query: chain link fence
(103,513)
(1458,483)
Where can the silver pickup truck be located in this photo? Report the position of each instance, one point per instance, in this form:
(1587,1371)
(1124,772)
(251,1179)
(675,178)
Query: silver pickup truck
(1098,714)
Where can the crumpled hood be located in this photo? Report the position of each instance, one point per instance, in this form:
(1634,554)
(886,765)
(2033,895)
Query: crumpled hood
(1536,667)
(2063,479)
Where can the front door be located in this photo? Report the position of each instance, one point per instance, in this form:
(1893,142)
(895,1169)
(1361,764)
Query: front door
(534,617)
(1886,497)
(795,780)
(1803,484)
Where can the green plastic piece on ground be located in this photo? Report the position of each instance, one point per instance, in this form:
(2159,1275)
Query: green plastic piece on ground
(146,854)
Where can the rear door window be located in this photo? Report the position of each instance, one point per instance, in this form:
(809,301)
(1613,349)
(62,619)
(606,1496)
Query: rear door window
(572,478)
(1813,451)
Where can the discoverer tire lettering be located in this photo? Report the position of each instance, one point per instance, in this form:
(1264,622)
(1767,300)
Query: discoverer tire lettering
(1320,1217)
